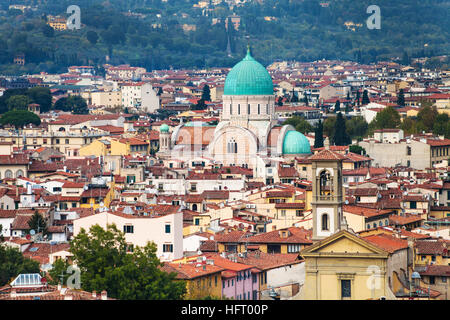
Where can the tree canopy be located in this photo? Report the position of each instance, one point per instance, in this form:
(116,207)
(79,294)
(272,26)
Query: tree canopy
(19,118)
(106,264)
(74,104)
(13,263)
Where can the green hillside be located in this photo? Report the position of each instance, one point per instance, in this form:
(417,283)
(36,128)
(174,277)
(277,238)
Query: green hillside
(152,35)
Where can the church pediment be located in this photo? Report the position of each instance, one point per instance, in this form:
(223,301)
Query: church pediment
(343,242)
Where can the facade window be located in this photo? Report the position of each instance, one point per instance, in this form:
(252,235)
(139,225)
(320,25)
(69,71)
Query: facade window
(346,289)
(413,205)
(432,280)
(128,229)
(239,109)
(248,109)
(167,228)
(67,141)
(231,109)
(232,146)
(325,222)
(167,247)
(259,109)
(197,222)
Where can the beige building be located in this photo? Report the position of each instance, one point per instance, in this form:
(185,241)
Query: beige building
(418,153)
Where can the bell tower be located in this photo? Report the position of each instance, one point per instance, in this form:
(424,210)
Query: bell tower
(328,195)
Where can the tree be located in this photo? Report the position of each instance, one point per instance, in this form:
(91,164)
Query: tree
(365,98)
(74,104)
(105,264)
(18,102)
(13,263)
(337,106)
(328,127)
(401,98)
(59,269)
(358,98)
(442,125)
(280,101)
(305,99)
(299,123)
(19,118)
(92,36)
(318,135)
(41,96)
(38,223)
(388,118)
(427,115)
(357,149)
(294,97)
(200,105)
(206,94)
(340,137)
(48,31)
(357,127)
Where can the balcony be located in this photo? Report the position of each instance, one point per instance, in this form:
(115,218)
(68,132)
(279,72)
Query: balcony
(327,198)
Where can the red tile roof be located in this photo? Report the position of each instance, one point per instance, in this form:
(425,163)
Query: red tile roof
(386,242)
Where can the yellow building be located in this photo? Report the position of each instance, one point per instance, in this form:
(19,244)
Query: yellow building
(57,23)
(345,267)
(202,280)
(95,196)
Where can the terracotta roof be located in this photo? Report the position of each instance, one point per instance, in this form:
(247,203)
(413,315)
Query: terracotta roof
(366,212)
(40,251)
(325,155)
(402,220)
(267,261)
(293,235)
(386,242)
(190,271)
(434,247)
(436,270)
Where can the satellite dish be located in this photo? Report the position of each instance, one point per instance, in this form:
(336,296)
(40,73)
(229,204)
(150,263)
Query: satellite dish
(32,232)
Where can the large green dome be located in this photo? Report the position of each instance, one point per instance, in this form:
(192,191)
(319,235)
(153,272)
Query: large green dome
(295,143)
(248,77)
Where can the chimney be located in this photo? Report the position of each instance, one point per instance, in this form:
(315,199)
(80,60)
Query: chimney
(94,294)
(104,295)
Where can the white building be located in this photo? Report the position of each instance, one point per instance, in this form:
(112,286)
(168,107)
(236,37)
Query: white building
(140,95)
(165,230)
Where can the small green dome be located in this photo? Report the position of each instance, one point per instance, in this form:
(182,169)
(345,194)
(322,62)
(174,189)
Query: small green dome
(295,143)
(164,128)
(248,77)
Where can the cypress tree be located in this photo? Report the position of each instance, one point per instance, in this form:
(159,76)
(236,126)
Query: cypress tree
(401,98)
(365,98)
(340,138)
(206,94)
(337,106)
(318,137)
(358,98)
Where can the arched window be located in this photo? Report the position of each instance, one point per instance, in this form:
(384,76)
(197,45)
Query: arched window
(232,146)
(194,207)
(325,183)
(19,173)
(325,222)
(374,225)
(8,174)
(62,129)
